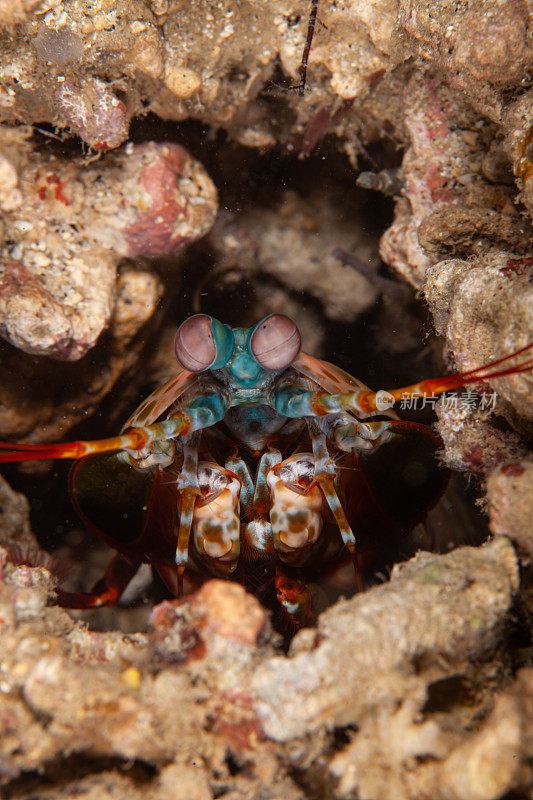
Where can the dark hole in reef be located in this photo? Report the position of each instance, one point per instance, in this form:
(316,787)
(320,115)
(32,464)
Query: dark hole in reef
(343,736)
(233,766)
(219,789)
(521,625)
(249,179)
(444,694)
(66,771)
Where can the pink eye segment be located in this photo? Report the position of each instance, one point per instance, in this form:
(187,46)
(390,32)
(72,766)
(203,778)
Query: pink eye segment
(275,342)
(194,344)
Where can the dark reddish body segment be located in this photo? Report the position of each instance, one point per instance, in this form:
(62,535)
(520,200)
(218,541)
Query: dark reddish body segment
(384,495)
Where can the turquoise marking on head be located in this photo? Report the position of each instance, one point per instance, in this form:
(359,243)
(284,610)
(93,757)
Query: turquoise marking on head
(224,342)
(242,367)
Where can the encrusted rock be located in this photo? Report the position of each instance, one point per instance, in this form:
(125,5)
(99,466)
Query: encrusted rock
(510,489)
(471,302)
(15,530)
(486,766)
(443,206)
(486,43)
(472,442)
(90,109)
(73,223)
(67,225)
(378,637)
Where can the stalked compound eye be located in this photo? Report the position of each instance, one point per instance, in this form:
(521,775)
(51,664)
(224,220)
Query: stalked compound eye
(195,348)
(275,342)
(203,343)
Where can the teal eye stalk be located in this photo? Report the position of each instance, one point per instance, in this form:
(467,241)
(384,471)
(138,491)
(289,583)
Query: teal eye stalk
(202,342)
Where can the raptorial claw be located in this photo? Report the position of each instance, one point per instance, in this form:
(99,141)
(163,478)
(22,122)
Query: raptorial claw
(296,510)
